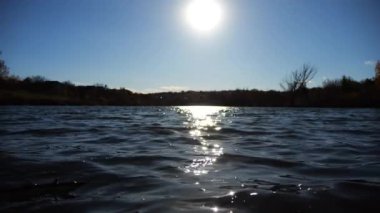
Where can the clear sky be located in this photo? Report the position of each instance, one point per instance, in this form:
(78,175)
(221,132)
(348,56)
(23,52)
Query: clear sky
(147,45)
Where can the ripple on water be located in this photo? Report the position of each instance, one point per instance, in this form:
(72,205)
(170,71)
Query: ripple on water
(189,159)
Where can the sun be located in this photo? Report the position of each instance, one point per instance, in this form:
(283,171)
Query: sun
(204,15)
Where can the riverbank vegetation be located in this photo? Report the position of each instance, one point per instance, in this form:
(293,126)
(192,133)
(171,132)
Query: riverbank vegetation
(343,92)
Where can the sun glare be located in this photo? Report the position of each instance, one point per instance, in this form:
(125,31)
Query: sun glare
(204,15)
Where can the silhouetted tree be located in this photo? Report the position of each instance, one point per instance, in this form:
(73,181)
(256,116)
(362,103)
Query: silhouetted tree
(377,74)
(298,79)
(4,70)
(348,84)
(99,85)
(35,79)
(329,84)
(296,84)
(68,83)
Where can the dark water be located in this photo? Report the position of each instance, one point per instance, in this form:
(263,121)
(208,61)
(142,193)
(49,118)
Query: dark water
(189,159)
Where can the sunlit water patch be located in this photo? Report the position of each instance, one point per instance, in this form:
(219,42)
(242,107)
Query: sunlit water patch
(189,159)
(201,119)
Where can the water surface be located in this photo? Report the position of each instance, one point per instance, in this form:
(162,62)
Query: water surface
(189,159)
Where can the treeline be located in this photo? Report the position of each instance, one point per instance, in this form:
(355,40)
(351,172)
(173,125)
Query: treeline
(38,91)
(344,92)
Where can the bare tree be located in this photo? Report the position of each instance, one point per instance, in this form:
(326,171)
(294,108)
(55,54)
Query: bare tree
(298,79)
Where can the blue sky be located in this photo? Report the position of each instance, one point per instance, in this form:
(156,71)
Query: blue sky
(147,46)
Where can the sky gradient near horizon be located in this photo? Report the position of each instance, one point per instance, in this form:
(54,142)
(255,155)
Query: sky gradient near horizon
(147,46)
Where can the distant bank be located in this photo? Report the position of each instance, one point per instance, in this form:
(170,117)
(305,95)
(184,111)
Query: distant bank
(344,92)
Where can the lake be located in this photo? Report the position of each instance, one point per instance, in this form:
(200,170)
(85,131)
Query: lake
(189,159)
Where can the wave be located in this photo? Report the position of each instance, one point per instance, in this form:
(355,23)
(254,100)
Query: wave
(137,159)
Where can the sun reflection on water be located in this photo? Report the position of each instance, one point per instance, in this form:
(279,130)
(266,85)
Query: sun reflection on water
(201,120)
